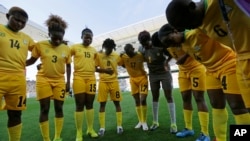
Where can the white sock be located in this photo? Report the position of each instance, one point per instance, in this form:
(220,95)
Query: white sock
(155,111)
(171,108)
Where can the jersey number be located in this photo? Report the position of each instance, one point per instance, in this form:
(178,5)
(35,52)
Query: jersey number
(108,63)
(87,54)
(197,57)
(195,82)
(63,93)
(92,87)
(219,31)
(22,101)
(144,88)
(224,82)
(117,94)
(54,59)
(14,43)
(132,64)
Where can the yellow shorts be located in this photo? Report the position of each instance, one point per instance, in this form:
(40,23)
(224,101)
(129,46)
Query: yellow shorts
(111,88)
(47,87)
(194,79)
(139,85)
(243,77)
(224,79)
(13,89)
(84,85)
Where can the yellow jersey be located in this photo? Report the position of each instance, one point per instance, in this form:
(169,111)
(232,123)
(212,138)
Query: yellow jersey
(53,58)
(134,65)
(189,64)
(84,59)
(108,62)
(212,54)
(14,50)
(214,26)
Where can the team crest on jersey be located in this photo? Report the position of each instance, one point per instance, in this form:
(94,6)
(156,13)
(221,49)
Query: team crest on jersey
(25,42)
(47,51)
(197,48)
(63,55)
(2,34)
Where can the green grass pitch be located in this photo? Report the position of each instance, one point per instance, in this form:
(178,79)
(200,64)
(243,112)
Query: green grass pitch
(31,130)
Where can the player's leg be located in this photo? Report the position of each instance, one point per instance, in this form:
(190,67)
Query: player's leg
(116,97)
(58,107)
(198,79)
(102,98)
(155,90)
(167,85)
(90,97)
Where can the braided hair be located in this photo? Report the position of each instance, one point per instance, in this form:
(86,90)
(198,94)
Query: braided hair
(56,23)
(109,43)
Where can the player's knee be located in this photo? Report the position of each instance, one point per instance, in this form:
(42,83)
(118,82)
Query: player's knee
(14,115)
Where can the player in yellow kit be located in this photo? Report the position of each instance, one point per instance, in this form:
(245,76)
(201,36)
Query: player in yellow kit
(192,82)
(50,79)
(206,15)
(106,64)
(14,51)
(84,82)
(133,62)
(220,79)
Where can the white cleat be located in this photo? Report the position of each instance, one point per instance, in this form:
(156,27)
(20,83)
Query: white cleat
(139,125)
(144,126)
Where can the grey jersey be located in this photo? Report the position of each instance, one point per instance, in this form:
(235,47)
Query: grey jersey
(155,59)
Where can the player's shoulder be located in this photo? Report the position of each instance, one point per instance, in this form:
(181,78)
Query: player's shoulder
(76,45)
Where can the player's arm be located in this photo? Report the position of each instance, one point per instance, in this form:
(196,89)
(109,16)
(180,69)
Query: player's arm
(31,61)
(100,70)
(68,73)
(181,60)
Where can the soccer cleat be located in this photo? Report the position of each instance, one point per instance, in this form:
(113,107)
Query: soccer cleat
(101,132)
(144,126)
(173,129)
(92,134)
(60,139)
(119,130)
(154,126)
(203,137)
(184,133)
(138,125)
(79,139)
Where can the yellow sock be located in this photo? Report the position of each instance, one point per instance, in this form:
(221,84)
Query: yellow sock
(1,103)
(102,119)
(144,110)
(44,127)
(79,122)
(139,113)
(15,132)
(188,117)
(242,118)
(90,119)
(119,118)
(204,122)
(220,118)
(58,127)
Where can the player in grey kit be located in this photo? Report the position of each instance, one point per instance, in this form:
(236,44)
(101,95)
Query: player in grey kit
(159,75)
